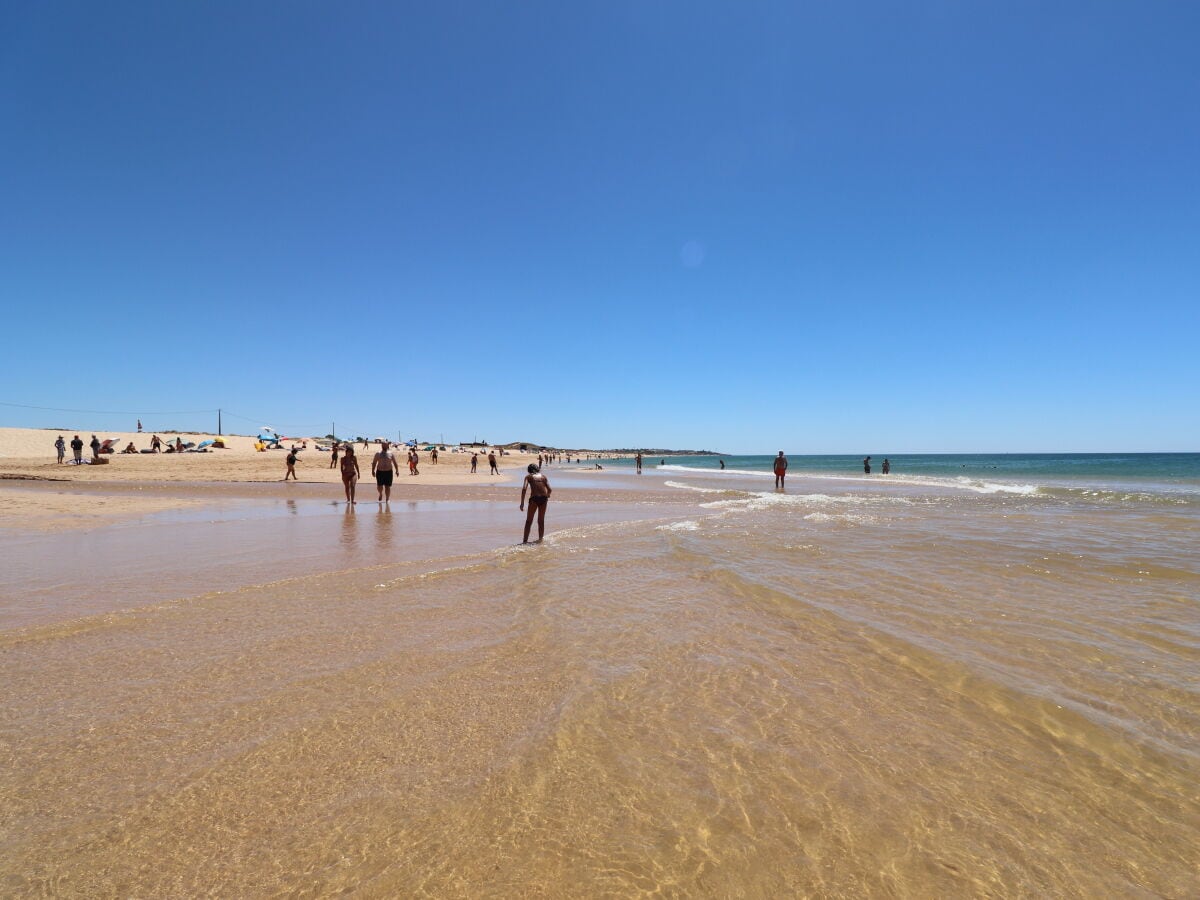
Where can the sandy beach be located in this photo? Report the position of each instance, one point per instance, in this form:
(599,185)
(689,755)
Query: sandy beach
(219,683)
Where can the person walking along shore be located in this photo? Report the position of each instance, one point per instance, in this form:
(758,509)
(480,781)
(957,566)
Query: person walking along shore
(539,489)
(350,473)
(383,467)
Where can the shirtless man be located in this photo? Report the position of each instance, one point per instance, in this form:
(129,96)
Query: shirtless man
(867,466)
(492,462)
(780,469)
(383,467)
(639,462)
(538,486)
(474,462)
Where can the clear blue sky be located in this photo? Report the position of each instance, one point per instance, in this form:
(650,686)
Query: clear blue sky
(861,227)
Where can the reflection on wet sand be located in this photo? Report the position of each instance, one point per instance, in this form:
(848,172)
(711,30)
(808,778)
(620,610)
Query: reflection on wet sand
(751,694)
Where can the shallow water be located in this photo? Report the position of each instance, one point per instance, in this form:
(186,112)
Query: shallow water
(911,690)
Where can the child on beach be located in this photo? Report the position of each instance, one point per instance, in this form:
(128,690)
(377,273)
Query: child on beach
(291,466)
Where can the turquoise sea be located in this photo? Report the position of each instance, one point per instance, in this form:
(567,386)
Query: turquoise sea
(1170,472)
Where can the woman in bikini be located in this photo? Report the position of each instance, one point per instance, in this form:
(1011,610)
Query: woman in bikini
(350,473)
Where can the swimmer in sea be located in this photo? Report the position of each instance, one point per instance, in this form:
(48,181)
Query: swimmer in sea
(887,466)
(538,486)
(867,465)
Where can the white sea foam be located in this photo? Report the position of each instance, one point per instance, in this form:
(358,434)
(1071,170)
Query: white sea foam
(767,499)
(686,525)
(958,483)
(695,487)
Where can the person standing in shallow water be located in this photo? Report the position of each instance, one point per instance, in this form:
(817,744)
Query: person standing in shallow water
(383,467)
(639,462)
(350,473)
(867,465)
(538,486)
(887,466)
(780,469)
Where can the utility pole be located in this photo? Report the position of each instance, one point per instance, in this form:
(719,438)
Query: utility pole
(218,423)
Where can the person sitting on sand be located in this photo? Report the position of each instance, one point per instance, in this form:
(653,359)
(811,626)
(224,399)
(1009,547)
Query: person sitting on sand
(130,448)
(538,486)
(291,466)
(780,469)
(350,473)
(178,445)
(383,467)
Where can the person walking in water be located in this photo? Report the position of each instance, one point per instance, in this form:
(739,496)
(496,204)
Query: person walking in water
(887,466)
(722,462)
(291,466)
(867,466)
(492,462)
(538,486)
(383,467)
(350,473)
(61,446)
(780,469)
(638,459)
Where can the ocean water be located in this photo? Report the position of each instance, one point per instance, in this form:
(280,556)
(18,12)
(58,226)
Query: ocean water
(914,686)
(1100,470)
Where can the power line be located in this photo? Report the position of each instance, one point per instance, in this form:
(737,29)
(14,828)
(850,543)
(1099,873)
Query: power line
(113,412)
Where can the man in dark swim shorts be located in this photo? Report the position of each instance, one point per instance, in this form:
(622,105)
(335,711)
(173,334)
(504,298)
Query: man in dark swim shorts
(383,467)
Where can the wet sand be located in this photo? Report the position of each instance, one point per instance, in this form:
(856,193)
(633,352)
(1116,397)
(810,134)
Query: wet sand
(713,691)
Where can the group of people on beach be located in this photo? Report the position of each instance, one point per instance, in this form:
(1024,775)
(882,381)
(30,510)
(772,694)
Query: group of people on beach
(384,467)
(780,467)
